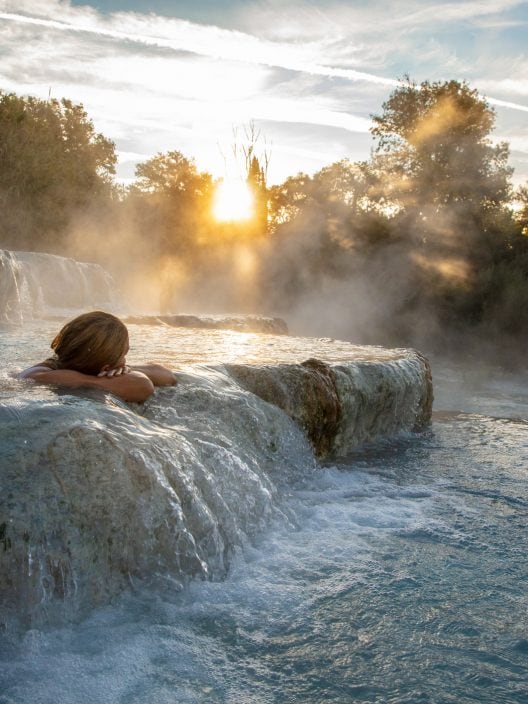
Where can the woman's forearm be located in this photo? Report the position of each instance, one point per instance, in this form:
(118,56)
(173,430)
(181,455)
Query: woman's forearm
(134,386)
(63,377)
(158,374)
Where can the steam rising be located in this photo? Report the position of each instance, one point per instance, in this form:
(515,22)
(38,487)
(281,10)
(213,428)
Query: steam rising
(418,246)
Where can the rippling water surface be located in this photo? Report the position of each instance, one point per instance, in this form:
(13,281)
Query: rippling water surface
(398,576)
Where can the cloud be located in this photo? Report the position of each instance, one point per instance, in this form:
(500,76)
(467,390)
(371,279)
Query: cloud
(232,45)
(472,11)
(202,40)
(152,88)
(154,83)
(517,85)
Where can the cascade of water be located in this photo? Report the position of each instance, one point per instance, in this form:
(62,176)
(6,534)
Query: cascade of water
(10,308)
(97,494)
(34,285)
(101,493)
(100,496)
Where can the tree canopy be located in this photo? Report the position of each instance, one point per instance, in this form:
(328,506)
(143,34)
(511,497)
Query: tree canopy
(53,163)
(426,235)
(173,203)
(434,147)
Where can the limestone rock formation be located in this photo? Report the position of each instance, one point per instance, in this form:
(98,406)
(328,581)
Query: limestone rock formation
(341,406)
(239,323)
(97,494)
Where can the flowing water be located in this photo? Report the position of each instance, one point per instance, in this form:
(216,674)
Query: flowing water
(398,575)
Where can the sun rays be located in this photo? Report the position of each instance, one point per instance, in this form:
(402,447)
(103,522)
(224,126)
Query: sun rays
(233,201)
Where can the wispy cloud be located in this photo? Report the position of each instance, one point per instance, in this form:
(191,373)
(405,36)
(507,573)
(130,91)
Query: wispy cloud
(149,79)
(232,45)
(198,39)
(474,11)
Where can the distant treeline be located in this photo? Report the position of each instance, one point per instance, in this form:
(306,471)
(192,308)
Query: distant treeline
(425,243)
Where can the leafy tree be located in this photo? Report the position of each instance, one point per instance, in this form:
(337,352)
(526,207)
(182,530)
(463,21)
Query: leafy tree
(173,200)
(321,229)
(335,201)
(53,164)
(522,214)
(445,186)
(434,148)
(171,174)
(256,180)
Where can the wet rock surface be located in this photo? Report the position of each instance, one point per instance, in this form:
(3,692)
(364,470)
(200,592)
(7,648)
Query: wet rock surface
(341,406)
(96,494)
(307,392)
(238,323)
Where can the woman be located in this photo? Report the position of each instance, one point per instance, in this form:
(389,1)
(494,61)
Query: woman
(90,352)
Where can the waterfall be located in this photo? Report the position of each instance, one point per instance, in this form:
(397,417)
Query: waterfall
(35,285)
(102,494)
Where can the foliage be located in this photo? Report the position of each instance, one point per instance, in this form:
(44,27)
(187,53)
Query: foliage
(433,146)
(420,243)
(321,227)
(53,164)
(256,155)
(424,228)
(521,197)
(173,202)
(447,186)
(256,180)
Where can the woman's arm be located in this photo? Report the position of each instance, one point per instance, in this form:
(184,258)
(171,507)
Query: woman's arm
(157,373)
(28,373)
(133,386)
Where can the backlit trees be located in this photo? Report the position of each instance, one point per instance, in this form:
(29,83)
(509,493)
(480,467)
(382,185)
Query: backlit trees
(53,164)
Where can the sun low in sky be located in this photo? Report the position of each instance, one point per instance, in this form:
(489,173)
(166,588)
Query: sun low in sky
(233,201)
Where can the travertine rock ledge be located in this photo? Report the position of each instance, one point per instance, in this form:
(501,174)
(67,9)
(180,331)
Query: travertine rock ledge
(96,494)
(239,323)
(341,406)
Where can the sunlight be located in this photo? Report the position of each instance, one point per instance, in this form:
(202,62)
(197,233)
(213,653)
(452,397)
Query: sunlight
(233,201)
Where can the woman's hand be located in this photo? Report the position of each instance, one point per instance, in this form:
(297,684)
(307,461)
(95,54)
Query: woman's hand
(118,371)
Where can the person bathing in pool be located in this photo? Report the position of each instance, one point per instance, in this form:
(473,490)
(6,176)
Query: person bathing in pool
(90,352)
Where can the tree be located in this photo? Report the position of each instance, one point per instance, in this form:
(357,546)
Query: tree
(522,213)
(171,174)
(334,202)
(446,187)
(256,180)
(53,164)
(173,199)
(255,151)
(321,230)
(434,148)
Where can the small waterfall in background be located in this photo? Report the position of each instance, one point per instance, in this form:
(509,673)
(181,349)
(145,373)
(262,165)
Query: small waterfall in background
(35,285)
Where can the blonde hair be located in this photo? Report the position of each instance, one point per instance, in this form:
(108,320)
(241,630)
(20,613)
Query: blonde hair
(89,342)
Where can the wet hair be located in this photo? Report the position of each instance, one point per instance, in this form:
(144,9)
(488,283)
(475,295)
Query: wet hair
(89,342)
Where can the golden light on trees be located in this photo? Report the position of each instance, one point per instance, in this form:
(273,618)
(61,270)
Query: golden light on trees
(233,200)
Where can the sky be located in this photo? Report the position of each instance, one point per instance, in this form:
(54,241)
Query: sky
(191,75)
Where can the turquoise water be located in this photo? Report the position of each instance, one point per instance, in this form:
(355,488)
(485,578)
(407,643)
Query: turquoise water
(398,576)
